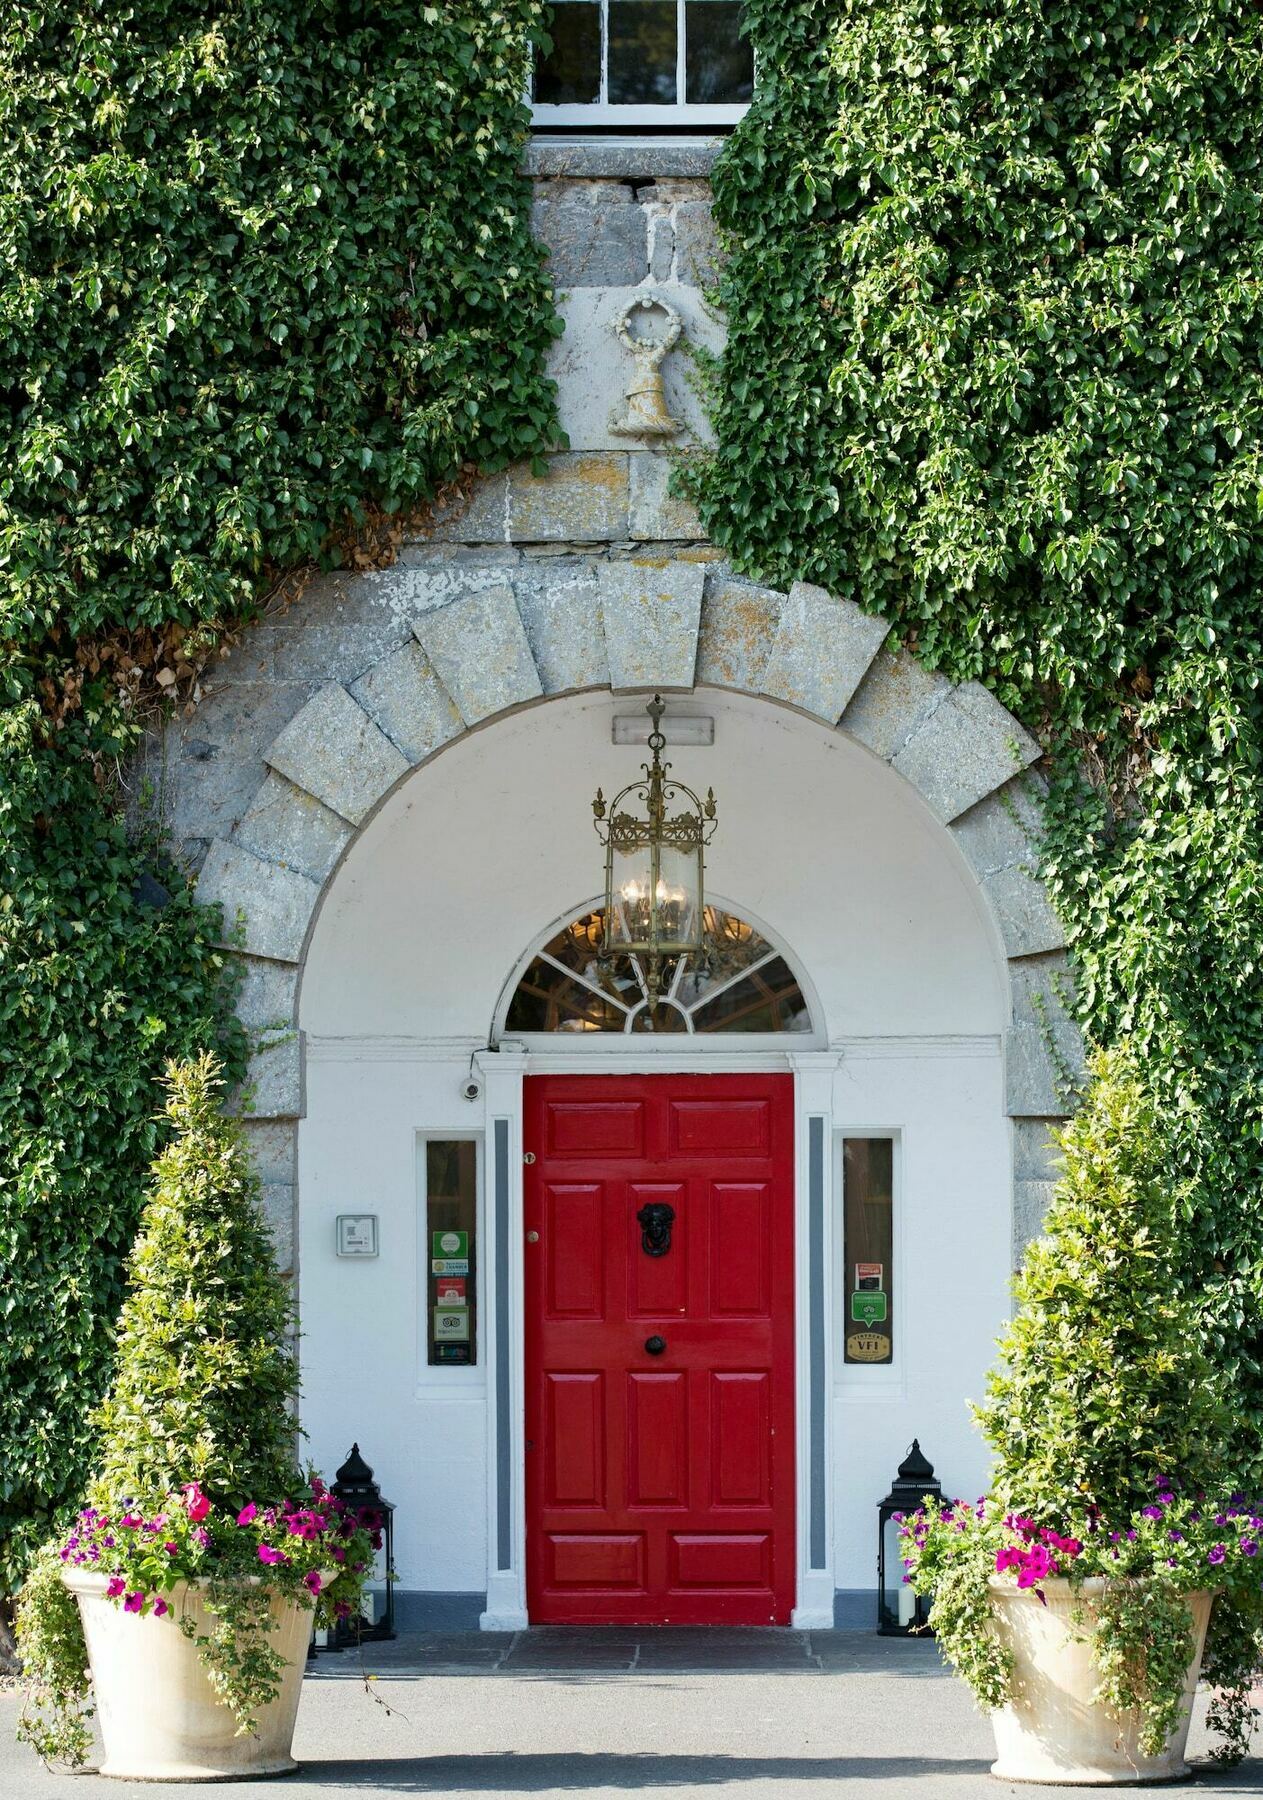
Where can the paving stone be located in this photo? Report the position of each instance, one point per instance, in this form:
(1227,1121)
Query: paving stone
(408,702)
(592,368)
(653,513)
(1035,1156)
(894,698)
(277,1204)
(265,1000)
(274,904)
(594,239)
(332,749)
(482,518)
(1031,1200)
(1044,1050)
(273,1147)
(273,1088)
(480,652)
(967,748)
(286,825)
(652,611)
(562,618)
(823,646)
(738,630)
(580,500)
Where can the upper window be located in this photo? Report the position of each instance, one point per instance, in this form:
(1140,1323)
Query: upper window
(644,62)
(747,986)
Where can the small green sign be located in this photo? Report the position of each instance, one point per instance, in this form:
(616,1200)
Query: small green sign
(449,1243)
(868,1309)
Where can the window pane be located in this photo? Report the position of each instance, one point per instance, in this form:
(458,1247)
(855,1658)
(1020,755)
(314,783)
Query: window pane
(868,1245)
(642,52)
(768,999)
(547,1000)
(570,75)
(451,1217)
(718,61)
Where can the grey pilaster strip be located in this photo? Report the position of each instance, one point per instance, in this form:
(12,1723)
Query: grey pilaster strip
(816,1353)
(504,1464)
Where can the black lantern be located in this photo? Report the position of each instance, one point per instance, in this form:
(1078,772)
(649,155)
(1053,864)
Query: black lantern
(900,1612)
(356,1489)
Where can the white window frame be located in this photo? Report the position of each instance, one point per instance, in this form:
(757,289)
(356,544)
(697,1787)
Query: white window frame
(602,112)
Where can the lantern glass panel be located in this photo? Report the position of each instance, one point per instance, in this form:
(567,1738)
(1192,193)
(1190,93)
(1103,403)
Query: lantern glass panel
(899,1603)
(678,895)
(631,885)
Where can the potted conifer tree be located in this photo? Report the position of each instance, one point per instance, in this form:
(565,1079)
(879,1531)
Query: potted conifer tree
(202,1549)
(1075,1597)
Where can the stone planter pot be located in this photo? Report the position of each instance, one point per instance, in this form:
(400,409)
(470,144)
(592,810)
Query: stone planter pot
(1052,1730)
(160,1717)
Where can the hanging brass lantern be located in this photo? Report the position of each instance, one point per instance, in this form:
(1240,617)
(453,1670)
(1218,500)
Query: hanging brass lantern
(655,908)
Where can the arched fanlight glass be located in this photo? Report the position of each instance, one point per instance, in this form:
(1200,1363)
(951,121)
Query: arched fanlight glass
(655,905)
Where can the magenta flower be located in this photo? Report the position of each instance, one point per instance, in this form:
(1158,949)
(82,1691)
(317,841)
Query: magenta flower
(195,1502)
(1151,1512)
(172,1549)
(134,1602)
(268,1555)
(160,1607)
(311,1581)
(1249,1547)
(247,1513)
(1216,1553)
(115,1587)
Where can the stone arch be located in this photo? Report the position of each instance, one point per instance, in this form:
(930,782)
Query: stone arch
(479,643)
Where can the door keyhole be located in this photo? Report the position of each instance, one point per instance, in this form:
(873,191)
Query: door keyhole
(655,1345)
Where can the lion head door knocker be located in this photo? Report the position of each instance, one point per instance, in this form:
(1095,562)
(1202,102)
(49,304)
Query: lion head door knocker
(643,412)
(655,1221)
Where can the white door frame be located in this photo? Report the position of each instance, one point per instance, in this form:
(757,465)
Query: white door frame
(500,1259)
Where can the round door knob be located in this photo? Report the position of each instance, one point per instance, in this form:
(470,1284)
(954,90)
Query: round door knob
(655,1345)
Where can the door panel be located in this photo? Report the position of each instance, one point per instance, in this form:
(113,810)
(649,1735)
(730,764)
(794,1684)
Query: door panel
(660,1487)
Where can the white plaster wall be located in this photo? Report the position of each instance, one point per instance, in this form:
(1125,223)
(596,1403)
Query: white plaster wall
(463,867)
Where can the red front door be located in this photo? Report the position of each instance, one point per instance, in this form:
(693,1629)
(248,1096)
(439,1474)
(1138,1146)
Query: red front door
(660,1387)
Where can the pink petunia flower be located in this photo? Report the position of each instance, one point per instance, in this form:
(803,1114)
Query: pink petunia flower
(268,1555)
(195,1502)
(311,1581)
(134,1603)
(115,1587)
(160,1607)
(247,1513)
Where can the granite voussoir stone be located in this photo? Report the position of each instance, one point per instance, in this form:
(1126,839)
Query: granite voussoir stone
(582,499)
(967,748)
(652,609)
(274,904)
(480,652)
(409,703)
(332,749)
(738,630)
(561,614)
(823,646)
(655,514)
(285,824)
(1045,1057)
(895,697)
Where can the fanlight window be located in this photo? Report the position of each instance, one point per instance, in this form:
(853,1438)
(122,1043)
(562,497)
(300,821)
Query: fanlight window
(745,986)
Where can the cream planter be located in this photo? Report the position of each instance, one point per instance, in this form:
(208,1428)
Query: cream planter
(1052,1730)
(160,1718)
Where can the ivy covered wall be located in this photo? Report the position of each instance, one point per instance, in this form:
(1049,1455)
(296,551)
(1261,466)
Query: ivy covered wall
(267,279)
(995,303)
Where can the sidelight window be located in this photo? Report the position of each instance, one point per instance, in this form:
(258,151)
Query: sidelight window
(644,62)
(449,1244)
(868,1287)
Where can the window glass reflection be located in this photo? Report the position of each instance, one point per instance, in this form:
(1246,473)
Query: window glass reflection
(718,61)
(642,52)
(570,74)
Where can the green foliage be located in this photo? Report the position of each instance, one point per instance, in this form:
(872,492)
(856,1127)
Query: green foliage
(266,273)
(1104,1381)
(269,265)
(205,1370)
(98,987)
(996,324)
(56,1718)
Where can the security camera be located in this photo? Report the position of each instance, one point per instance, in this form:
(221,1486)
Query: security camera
(471,1087)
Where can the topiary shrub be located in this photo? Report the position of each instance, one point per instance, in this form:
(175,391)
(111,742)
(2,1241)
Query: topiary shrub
(1116,1445)
(197,1475)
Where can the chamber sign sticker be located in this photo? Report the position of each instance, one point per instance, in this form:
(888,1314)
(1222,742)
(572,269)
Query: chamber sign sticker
(868,1309)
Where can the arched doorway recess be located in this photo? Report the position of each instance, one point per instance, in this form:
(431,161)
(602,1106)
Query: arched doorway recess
(494,664)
